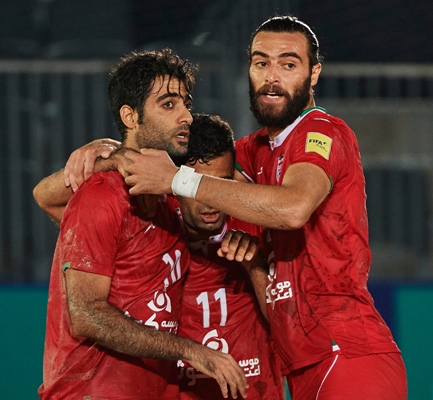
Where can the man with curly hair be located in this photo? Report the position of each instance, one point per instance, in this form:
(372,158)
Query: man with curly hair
(219,304)
(117,275)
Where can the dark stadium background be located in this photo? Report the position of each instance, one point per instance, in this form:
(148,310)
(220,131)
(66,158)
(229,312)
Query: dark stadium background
(356,31)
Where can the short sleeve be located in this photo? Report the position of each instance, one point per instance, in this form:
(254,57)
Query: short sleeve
(90,230)
(323,143)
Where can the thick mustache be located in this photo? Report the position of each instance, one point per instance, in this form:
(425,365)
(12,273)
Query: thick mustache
(265,89)
(183,128)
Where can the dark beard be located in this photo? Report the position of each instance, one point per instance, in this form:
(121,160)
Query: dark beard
(177,154)
(265,114)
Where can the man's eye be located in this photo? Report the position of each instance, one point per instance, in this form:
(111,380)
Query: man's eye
(261,64)
(290,65)
(168,104)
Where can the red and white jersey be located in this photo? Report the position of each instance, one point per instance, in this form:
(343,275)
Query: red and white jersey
(317,295)
(102,233)
(219,309)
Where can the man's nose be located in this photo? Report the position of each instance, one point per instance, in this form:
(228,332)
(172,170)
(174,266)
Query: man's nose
(272,75)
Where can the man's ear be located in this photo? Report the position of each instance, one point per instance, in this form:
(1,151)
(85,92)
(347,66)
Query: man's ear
(317,68)
(129,116)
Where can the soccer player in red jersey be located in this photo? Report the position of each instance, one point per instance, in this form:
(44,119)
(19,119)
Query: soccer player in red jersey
(117,275)
(219,307)
(309,190)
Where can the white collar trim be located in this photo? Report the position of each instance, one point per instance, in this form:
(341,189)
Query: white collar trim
(278,141)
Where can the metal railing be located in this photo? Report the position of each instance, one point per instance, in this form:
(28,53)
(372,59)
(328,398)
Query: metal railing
(52,107)
(385,81)
(49,109)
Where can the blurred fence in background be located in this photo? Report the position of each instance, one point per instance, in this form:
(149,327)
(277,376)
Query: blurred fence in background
(51,104)
(52,107)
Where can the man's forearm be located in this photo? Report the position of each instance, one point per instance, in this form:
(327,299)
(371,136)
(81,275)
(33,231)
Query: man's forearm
(124,335)
(260,279)
(109,327)
(52,195)
(93,317)
(264,205)
(258,270)
(287,207)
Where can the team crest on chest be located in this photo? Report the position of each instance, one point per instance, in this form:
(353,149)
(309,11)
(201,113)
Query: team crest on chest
(279,167)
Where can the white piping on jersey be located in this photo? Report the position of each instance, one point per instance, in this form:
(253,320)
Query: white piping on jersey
(326,375)
(278,141)
(151,226)
(247,176)
(218,238)
(322,119)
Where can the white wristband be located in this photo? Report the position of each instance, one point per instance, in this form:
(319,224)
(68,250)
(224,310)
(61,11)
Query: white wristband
(186,182)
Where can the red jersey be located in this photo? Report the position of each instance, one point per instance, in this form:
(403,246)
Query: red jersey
(102,233)
(219,309)
(317,295)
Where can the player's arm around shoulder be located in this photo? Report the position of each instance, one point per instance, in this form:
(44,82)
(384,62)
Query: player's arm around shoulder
(286,207)
(52,195)
(54,191)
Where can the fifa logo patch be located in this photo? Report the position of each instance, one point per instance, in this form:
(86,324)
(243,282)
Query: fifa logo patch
(279,166)
(318,143)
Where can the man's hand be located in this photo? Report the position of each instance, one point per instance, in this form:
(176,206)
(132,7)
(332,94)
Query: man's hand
(150,171)
(223,368)
(81,162)
(239,246)
(244,248)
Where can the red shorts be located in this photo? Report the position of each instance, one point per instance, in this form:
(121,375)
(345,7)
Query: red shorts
(372,377)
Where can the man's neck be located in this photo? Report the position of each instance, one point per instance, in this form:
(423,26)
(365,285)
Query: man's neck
(273,132)
(130,143)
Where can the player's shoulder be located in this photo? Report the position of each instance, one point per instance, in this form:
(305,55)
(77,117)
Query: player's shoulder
(318,119)
(98,198)
(103,185)
(110,179)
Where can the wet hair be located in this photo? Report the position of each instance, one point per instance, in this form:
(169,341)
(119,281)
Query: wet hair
(132,79)
(290,23)
(210,137)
